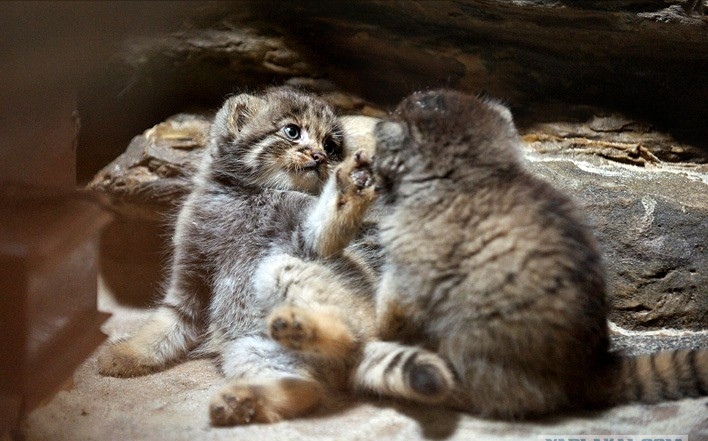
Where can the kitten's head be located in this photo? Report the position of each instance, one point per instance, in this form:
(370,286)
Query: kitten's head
(433,134)
(281,139)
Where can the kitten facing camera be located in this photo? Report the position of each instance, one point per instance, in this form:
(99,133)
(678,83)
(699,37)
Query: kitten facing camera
(272,203)
(268,273)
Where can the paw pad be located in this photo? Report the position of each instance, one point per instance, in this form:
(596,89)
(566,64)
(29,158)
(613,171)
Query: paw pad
(228,409)
(361,175)
(289,331)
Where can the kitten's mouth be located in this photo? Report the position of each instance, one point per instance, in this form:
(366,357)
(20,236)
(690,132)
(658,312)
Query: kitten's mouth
(311,166)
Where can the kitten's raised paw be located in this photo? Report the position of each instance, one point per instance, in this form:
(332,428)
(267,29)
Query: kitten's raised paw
(355,172)
(292,327)
(240,404)
(362,175)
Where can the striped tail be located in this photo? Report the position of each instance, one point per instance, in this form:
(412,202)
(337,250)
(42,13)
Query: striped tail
(399,371)
(651,378)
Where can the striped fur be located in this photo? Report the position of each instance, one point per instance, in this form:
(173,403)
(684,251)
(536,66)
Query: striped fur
(650,378)
(399,371)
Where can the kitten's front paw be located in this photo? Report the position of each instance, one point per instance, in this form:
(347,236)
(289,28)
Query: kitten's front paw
(292,328)
(429,377)
(362,175)
(355,173)
(240,404)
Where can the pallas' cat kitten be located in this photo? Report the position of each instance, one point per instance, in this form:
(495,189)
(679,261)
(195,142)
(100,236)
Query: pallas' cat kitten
(495,271)
(264,233)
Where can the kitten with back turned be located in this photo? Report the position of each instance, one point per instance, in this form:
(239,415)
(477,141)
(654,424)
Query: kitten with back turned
(262,244)
(494,270)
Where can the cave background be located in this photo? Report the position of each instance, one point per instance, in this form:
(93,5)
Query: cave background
(545,59)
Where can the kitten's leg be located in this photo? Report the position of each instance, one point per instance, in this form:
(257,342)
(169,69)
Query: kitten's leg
(164,338)
(340,209)
(264,400)
(267,384)
(167,336)
(396,370)
(400,371)
(396,319)
(320,314)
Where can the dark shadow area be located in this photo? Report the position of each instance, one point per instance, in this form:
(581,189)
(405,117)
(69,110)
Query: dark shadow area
(436,423)
(134,258)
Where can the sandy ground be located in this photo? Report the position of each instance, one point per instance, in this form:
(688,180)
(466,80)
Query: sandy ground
(172,405)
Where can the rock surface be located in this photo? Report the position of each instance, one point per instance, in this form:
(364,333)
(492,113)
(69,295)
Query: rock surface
(650,216)
(643,183)
(152,175)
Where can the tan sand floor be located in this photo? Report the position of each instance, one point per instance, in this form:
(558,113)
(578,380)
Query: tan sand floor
(172,405)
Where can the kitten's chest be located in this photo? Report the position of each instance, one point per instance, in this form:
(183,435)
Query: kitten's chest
(426,230)
(230,224)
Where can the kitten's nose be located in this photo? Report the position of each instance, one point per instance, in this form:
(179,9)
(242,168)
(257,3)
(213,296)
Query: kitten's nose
(319,157)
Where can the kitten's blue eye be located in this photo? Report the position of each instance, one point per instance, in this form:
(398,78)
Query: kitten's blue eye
(292,131)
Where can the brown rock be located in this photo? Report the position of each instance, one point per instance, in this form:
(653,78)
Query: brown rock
(649,215)
(150,177)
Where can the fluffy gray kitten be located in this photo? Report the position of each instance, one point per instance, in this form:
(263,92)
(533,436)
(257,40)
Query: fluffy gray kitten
(494,270)
(263,273)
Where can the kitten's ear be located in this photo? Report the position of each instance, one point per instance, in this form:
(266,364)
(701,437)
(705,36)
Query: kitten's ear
(501,109)
(237,110)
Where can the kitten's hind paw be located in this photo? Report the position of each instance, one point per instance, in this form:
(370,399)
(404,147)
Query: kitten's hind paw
(121,359)
(292,328)
(235,405)
(317,332)
(265,401)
